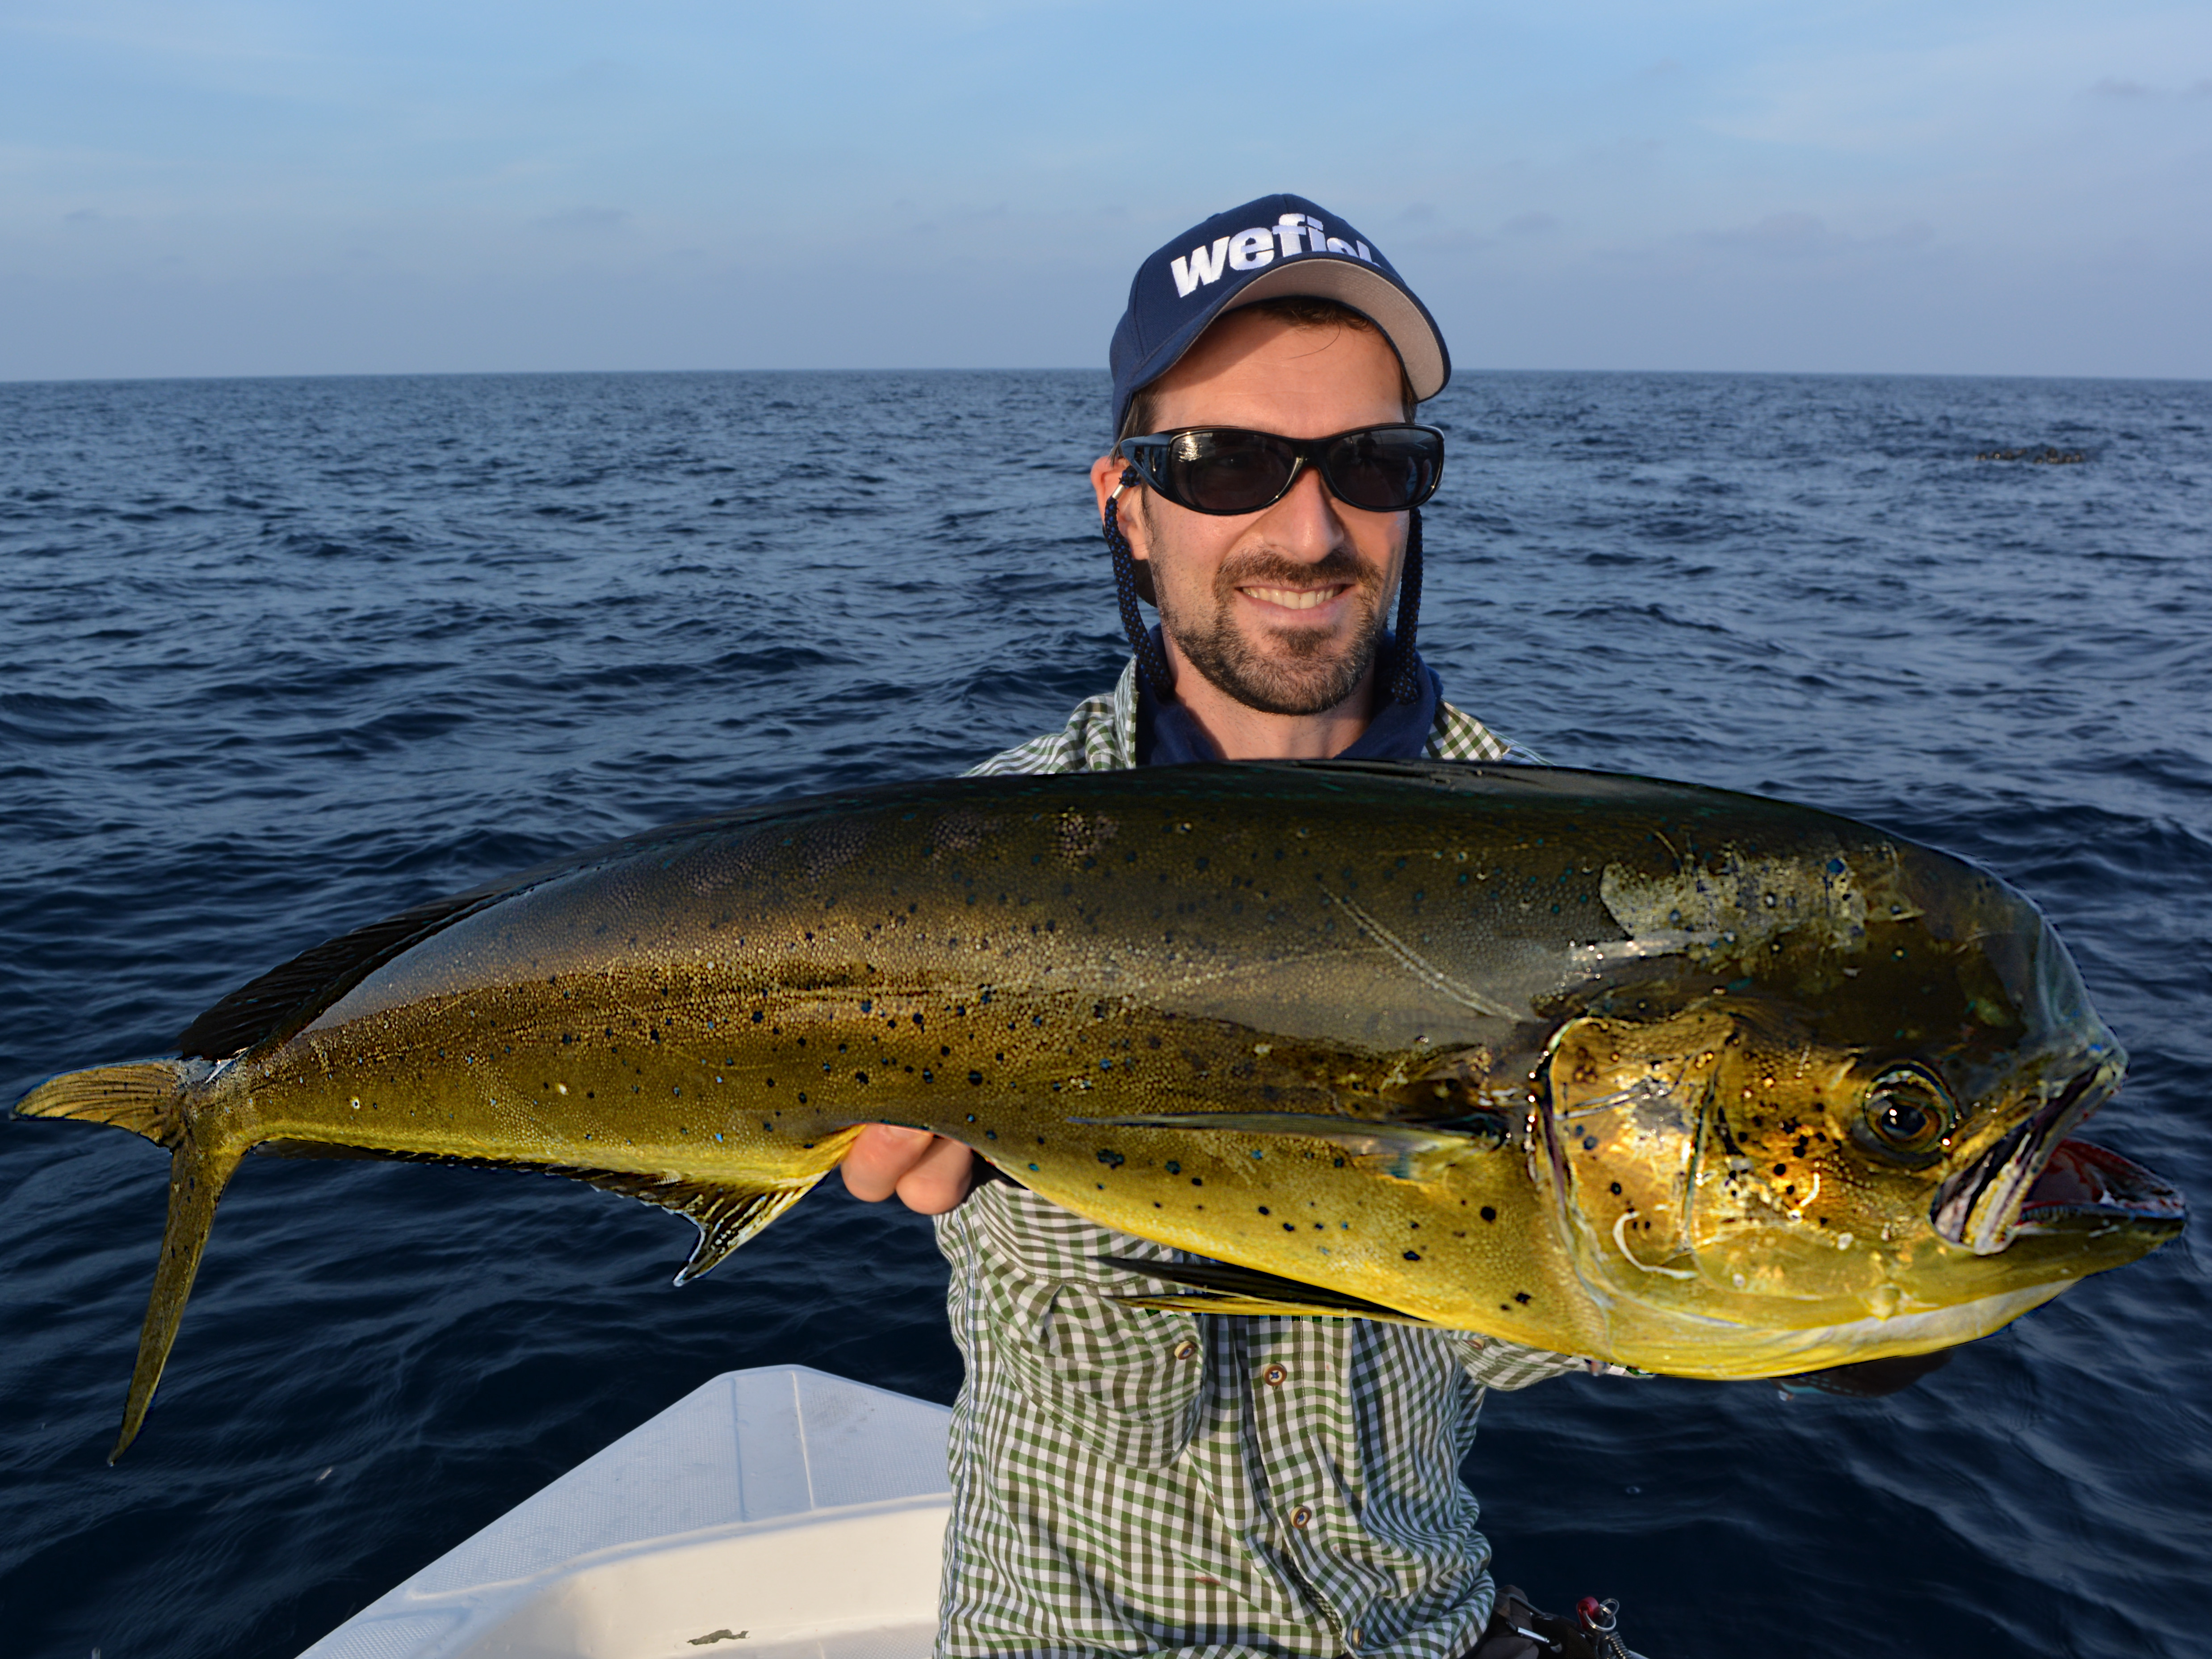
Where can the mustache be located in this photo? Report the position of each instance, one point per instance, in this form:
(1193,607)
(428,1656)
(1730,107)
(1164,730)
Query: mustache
(1263,567)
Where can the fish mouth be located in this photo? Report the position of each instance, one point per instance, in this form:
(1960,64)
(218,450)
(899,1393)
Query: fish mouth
(2083,1181)
(2036,1180)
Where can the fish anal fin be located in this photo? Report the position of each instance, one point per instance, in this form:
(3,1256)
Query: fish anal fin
(332,1149)
(141,1097)
(1222,1287)
(725,1213)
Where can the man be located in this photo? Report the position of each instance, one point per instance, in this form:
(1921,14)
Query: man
(1128,1481)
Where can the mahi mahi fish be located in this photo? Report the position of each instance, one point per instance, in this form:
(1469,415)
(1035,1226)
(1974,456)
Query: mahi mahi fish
(1680,1079)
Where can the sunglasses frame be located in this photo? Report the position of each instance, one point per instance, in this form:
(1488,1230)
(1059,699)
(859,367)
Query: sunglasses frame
(1145,454)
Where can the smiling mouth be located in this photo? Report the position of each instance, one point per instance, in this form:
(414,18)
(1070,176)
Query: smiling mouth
(2036,1180)
(1293,599)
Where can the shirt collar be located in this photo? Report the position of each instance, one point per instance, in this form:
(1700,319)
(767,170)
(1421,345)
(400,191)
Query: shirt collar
(1166,735)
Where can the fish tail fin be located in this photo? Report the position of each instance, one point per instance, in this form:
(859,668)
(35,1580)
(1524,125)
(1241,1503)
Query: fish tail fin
(149,1099)
(197,1174)
(144,1097)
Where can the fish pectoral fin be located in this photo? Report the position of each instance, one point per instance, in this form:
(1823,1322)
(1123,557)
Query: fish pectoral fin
(1405,1151)
(1221,1287)
(725,1214)
(1215,1302)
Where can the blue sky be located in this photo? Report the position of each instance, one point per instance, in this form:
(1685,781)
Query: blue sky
(1943,186)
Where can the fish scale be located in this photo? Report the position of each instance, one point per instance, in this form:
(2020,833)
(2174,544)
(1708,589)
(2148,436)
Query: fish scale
(1668,1076)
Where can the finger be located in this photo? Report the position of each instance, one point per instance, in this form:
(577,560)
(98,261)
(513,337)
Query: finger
(880,1158)
(940,1180)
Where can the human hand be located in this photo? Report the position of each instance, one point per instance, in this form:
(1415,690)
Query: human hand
(930,1174)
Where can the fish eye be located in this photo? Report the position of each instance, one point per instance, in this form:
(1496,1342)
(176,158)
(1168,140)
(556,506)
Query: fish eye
(1907,1112)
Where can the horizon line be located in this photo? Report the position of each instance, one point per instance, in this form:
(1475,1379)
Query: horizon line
(1458,372)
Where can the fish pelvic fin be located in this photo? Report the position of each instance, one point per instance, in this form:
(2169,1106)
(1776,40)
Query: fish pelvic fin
(142,1097)
(197,1174)
(1869,1379)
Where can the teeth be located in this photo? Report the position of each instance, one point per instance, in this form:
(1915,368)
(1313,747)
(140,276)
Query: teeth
(1294,598)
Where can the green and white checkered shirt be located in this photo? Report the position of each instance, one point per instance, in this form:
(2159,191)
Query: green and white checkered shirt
(1132,1482)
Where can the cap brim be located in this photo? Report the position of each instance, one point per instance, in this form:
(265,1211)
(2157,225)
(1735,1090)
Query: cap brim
(1411,332)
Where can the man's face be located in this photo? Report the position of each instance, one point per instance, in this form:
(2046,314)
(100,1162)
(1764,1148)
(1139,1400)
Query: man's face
(1281,610)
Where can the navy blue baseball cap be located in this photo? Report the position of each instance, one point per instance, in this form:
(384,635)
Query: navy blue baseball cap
(1266,250)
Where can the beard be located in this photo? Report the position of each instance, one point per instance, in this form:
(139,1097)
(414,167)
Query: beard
(1286,669)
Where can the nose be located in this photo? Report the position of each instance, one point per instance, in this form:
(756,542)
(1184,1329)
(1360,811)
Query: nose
(1305,523)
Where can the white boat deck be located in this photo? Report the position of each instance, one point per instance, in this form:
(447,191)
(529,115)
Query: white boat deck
(779,1513)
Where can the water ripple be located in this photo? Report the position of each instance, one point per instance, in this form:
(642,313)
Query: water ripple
(285,656)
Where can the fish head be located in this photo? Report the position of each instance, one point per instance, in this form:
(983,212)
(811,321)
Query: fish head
(1847,1130)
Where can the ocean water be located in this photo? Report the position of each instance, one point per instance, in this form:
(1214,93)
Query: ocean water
(283,657)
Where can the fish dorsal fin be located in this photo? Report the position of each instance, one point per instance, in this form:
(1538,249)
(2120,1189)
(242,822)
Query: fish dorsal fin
(727,1213)
(1221,1287)
(285,997)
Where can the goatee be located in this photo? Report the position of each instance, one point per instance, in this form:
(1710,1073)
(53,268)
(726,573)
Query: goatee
(1300,671)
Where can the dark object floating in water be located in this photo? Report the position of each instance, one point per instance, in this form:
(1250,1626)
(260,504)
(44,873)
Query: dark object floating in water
(2046,456)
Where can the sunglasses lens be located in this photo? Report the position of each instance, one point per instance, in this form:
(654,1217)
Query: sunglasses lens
(1385,468)
(1224,471)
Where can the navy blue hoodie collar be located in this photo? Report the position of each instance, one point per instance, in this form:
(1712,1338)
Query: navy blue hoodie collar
(1167,736)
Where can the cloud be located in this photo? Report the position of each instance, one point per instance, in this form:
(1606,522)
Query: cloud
(2112,86)
(1802,235)
(588,221)
(593,81)
(1730,149)
(1781,233)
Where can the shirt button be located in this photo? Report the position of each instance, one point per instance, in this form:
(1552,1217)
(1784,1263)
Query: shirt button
(1301,1517)
(1273,1376)
(1352,1636)
(1185,1349)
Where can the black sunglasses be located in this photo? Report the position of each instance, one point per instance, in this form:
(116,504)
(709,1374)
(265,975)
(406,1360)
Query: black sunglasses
(1224,469)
